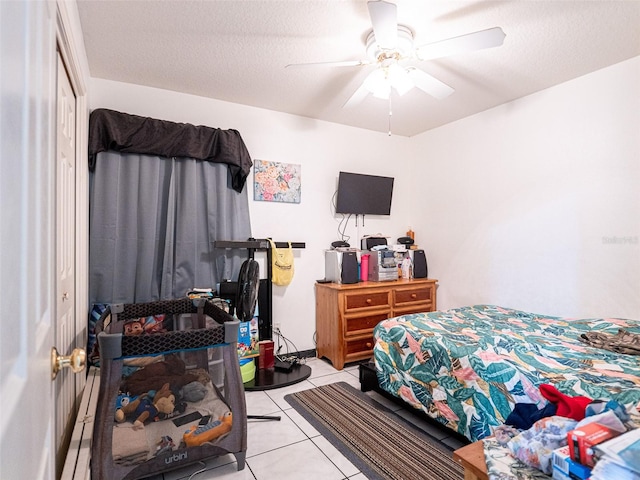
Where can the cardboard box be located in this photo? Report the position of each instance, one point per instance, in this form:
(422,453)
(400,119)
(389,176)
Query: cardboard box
(576,470)
(248,339)
(559,461)
(582,440)
(559,475)
(566,469)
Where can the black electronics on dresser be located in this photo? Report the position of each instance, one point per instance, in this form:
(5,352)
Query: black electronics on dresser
(367,243)
(349,267)
(419,264)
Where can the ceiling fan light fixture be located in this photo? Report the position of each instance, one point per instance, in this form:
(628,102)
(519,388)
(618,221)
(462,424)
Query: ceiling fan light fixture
(400,79)
(383,92)
(403,48)
(377,83)
(390,45)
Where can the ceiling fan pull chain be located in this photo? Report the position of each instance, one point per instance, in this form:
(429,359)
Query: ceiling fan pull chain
(390,113)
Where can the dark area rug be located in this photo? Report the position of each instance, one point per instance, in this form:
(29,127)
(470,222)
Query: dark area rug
(380,443)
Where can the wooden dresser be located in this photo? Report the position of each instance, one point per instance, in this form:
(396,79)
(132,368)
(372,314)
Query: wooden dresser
(346,314)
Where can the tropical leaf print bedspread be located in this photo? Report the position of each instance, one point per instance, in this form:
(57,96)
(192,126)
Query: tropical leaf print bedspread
(468,367)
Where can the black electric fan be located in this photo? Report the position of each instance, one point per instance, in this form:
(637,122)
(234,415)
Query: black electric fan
(246,298)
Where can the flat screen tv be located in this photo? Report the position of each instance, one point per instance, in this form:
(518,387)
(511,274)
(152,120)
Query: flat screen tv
(364,194)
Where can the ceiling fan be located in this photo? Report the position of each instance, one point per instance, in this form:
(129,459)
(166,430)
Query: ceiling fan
(389,46)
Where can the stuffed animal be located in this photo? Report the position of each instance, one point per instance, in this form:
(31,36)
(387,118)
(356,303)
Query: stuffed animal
(123,400)
(135,327)
(171,370)
(145,409)
(193,392)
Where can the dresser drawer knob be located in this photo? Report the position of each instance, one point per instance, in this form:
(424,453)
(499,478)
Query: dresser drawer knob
(414,296)
(368,301)
(368,345)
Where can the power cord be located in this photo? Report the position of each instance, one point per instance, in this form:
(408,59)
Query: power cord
(343,222)
(288,356)
(198,472)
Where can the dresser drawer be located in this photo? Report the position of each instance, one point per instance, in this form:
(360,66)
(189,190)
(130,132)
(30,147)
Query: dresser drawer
(360,345)
(412,295)
(417,308)
(363,300)
(364,322)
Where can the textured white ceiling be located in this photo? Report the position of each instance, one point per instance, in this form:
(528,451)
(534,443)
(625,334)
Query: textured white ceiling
(236,51)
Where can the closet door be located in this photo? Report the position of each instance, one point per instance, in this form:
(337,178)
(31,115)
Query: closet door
(67,396)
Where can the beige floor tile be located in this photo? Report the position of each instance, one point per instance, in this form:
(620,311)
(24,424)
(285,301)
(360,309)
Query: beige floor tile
(259,403)
(336,377)
(278,394)
(301,422)
(266,435)
(302,460)
(336,457)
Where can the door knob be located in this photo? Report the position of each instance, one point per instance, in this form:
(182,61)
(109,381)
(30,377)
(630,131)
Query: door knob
(76,361)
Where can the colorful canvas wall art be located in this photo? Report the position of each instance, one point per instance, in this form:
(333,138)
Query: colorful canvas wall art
(276,182)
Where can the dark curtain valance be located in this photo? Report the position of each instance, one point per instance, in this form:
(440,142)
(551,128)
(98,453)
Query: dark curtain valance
(122,132)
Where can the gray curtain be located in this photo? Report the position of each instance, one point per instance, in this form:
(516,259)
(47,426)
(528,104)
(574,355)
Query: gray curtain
(153,223)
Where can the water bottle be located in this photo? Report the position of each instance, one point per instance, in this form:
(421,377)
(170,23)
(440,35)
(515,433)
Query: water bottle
(406,268)
(364,267)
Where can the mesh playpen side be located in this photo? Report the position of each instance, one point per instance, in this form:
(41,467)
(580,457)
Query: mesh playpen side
(167,413)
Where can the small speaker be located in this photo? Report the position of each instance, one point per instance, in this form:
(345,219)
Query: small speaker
(405,241)
(349,267)
(419,264)
(368,243)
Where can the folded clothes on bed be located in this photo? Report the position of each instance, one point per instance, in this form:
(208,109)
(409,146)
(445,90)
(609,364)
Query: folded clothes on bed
(129,461)
(129,446)
(622,342)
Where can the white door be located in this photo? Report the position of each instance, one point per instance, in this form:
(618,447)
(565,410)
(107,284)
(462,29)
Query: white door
(27,222)
(65,332)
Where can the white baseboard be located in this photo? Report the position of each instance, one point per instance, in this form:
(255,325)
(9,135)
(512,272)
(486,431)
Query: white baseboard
(77,465)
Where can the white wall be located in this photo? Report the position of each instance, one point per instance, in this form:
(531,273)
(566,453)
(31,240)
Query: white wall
(323,149)
(516,206)
(535,204)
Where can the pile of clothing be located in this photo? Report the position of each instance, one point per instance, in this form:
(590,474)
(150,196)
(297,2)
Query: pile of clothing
(531,434)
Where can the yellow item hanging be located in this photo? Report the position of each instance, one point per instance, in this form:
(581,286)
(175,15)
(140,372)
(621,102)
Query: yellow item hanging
(281,264)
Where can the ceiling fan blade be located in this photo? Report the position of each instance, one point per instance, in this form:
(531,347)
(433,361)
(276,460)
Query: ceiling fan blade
(429,84)
(358,96)
(493,37)
(347,63)
(384,18)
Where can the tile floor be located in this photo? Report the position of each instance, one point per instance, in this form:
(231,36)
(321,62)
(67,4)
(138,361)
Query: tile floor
(291,449)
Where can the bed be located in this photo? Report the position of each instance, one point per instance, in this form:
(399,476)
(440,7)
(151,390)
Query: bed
(468,367)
